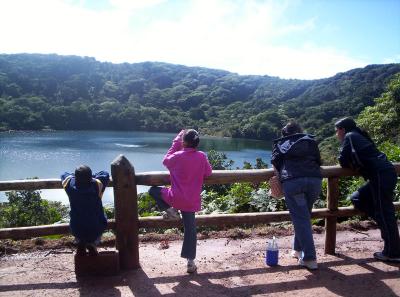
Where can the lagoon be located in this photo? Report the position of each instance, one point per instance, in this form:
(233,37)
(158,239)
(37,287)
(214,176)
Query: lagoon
(47,154)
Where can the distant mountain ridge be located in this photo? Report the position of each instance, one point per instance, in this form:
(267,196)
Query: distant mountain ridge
(68,92)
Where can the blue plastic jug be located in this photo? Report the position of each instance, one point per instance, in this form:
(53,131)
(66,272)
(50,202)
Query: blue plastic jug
(272,253)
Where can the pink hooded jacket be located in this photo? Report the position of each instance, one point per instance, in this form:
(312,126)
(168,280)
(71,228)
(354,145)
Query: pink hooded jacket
(188,168)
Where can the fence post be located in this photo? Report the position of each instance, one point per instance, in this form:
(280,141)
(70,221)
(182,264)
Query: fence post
(126,212)
(330,222)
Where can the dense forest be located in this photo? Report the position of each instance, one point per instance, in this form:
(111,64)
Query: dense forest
(70,92)
(42,91)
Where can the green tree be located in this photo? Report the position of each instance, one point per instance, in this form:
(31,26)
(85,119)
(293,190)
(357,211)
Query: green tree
(383,119)
(219,161)
(26,208)
(67,92)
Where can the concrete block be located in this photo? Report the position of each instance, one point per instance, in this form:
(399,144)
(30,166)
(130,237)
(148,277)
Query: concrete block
(106,263)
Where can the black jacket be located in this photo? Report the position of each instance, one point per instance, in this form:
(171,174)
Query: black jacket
(371,158)
(296,155)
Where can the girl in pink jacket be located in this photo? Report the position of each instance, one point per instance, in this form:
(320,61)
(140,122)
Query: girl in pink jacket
(188,167)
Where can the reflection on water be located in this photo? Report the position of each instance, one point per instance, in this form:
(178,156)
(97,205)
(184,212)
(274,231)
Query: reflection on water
(48,154)
(131,145)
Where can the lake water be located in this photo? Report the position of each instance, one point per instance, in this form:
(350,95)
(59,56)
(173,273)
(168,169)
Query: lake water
(48,154)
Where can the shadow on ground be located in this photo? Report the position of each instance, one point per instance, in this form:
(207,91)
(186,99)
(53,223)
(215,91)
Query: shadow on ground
(368,279)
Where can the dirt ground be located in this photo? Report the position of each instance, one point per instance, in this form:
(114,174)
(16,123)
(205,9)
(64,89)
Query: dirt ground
(233,265)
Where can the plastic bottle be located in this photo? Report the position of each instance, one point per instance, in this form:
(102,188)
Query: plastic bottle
(272,253)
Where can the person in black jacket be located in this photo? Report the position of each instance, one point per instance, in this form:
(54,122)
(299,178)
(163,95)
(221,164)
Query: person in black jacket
(375,197)
(297,160)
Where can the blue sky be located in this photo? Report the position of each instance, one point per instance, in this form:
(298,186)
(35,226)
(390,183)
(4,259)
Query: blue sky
(305,39)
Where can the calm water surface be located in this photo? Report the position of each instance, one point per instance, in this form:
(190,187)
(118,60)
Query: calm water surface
(48,154)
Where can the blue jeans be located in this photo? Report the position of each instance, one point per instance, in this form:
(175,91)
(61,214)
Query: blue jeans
(189,225)
(375,198)
(300,195)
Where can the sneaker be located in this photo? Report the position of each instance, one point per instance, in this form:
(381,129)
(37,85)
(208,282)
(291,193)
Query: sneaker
(381,257)
(296,254)
(309,264)
(171,214)
(92,250)
(191,266)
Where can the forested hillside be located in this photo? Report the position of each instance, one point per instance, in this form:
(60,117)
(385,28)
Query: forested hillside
(69,92)
(48,91)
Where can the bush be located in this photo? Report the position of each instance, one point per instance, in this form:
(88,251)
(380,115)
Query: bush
(215,203)
(26,208)
(109,211)
(147,205)
(240,194)
(218,161)
(261,201)
(391,150)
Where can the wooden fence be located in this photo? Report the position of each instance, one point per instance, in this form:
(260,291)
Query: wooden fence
(127,222)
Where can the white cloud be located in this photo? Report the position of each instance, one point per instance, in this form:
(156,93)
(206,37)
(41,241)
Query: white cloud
(133,5)
(306,62)
(229,35)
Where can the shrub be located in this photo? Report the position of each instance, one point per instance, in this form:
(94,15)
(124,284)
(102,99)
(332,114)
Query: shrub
(147,205)
(261,201)
(26,208)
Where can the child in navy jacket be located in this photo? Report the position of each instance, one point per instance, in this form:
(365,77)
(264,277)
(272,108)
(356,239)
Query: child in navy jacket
(87,218)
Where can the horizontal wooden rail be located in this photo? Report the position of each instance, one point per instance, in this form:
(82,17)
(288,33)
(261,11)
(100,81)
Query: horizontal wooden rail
(38,231)
(239,219)
(162,178)
(251,218)
(152,178)
(32,184)
(158,178)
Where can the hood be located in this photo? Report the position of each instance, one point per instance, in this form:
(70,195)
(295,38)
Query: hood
(286,143)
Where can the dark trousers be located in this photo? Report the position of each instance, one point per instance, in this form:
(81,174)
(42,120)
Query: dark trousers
(375,198)
(189,225)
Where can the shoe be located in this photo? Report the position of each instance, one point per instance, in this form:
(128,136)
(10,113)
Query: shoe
(381,257)
(309,264)
(81,250)
(191,266)
(296,254)
(92,250)
(172,214)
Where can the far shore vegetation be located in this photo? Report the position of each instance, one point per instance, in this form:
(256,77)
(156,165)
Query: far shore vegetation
(72,93)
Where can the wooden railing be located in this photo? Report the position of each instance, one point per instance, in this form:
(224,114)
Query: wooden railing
(127,222)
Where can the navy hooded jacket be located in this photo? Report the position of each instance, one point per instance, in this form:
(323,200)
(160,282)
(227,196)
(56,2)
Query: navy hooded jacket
(87,218)
(296,155)
(371,158)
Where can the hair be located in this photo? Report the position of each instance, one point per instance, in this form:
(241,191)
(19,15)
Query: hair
(191,138)
(83,176)
(291,128)
(349,125)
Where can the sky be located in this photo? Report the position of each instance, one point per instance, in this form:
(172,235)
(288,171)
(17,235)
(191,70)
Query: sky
(302,39)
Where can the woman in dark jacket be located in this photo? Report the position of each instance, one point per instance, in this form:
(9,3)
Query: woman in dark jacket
(375,197)
(296,158)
